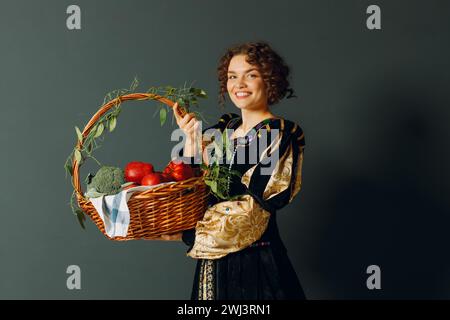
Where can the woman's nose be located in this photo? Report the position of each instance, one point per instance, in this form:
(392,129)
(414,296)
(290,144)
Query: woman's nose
(241,84)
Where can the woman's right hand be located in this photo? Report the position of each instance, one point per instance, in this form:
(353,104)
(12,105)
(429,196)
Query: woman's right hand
(188,123)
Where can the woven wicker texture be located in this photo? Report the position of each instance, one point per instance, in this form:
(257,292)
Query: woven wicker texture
(164,209)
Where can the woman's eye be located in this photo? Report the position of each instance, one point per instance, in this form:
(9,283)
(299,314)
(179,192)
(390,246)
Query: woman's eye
(250,75)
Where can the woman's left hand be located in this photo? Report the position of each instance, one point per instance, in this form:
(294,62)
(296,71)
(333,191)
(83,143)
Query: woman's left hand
(171,237)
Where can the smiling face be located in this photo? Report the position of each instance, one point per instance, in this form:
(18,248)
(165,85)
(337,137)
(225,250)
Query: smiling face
(245,85)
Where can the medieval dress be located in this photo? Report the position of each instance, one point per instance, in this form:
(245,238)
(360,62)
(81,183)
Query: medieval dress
(239,252)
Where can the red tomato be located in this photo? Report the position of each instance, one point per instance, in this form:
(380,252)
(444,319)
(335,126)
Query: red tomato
(179,170)
(136,170)
(167,177)
(183,173)
(147,166)
(152,179)
(167,170)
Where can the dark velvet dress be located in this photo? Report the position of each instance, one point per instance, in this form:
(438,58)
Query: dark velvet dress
(262,270)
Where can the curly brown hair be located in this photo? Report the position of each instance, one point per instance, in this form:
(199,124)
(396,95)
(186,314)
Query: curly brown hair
(272,67)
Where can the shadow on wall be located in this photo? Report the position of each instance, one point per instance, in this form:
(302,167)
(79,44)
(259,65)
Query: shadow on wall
(392,208)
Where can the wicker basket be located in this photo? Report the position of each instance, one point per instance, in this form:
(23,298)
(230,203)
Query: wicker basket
(164,209)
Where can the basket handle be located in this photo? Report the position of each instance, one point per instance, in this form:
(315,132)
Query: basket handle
(102,111)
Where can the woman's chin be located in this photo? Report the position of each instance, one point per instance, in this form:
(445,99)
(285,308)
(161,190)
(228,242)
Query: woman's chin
(241,106)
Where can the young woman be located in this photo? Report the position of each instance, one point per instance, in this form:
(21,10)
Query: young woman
(239,250)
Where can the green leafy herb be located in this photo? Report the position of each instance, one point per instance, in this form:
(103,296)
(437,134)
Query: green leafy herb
(218,178)
(99,130)
(162,115)
(78,155)
(112,124)
(81,217)
(79,135)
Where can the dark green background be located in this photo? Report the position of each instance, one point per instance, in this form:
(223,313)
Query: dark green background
(374,107)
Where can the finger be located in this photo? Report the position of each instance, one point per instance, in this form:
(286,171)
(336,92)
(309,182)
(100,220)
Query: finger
(166,237)
(195,127)
(185,120)
(190,124)
(176,111)
(172,237)
(192,132)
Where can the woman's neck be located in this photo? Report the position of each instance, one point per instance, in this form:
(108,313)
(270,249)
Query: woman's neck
(251,118)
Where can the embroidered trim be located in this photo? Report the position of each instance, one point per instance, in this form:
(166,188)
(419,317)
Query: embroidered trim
(231,122)
(255,131)
(206,284)
(260,244)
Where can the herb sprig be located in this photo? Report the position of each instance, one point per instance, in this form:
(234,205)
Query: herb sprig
(219,177)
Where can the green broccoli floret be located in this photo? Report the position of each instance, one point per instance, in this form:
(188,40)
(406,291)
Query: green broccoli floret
(107,180)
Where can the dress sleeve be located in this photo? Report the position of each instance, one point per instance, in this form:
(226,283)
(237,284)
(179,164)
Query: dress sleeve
(228,226)
(277,178)
(231,226)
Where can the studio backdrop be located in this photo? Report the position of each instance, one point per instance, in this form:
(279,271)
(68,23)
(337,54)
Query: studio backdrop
(371,80)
